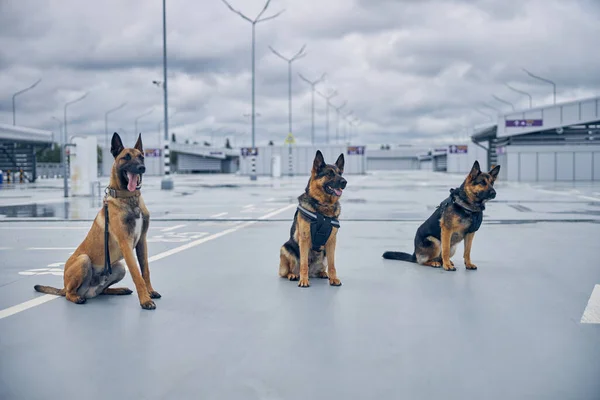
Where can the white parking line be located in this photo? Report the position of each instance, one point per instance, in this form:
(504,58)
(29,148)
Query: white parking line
(218,215)
(591,314)
(7,312)
(172,228)
(52,248)
(248,206)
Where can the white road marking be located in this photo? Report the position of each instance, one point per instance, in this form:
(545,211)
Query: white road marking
(218,215)
(7,312)
(270,199)
(591,314)
(171,228)
(43,271)
(37,228)
(27,202)
(248,206)
(52,248)
(171,237)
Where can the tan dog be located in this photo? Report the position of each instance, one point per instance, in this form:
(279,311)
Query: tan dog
(85,274)
(313,236)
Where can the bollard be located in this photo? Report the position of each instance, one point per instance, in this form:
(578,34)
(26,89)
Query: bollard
(21,176)
(8,176)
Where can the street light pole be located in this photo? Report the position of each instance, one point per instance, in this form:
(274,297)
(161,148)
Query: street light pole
(253,22)
(135,132)
(327,98)
(543,80)
(337,121)
(106,123)
(520,91)
(60,130)
(296,56)
(18,93)
(312,84)
(166,183)
(484,113)
(64,147)
(504,101)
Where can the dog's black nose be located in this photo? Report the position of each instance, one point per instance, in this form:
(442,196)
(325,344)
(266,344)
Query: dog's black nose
(493,194)
(343,183)
(141,169)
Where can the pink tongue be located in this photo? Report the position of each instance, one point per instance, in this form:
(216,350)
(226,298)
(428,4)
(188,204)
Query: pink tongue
(338,191)
(132,184)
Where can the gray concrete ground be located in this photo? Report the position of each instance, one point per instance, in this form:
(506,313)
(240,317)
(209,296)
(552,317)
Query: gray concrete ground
(227,327)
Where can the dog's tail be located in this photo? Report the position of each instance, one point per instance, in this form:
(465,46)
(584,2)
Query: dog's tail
(49,290)
(398,255)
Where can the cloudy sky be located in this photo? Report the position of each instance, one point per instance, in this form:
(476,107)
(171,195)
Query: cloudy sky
(410,70)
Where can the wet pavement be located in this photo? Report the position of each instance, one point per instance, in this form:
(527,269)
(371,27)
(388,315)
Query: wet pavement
(227,327)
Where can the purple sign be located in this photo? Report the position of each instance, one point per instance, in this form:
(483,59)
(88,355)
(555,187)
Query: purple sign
(249,151)
(356,150)
(152,152)
(458,149)
(523,122)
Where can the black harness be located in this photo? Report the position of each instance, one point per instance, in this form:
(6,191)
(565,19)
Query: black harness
(475,212)
(320,227)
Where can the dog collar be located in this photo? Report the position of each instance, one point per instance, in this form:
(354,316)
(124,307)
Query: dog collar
(315,216)
(122,194)
(456,199)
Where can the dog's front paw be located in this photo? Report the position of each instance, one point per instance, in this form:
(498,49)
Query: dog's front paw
(148,305)
(470,265)
(449,267)
(303,282)
(154,294)
(335,282)
(292,277)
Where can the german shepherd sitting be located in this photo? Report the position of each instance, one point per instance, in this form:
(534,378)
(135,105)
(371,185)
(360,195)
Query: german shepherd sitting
(86,275)
(456,218)
(314,230)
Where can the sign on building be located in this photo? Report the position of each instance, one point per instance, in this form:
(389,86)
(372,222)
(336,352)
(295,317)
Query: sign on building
(523,122)
(356,150)
(249,151)
(152,152)
(458,149)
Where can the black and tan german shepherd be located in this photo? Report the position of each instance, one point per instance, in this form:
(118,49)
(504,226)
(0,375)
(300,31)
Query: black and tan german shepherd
(314,230)
(456,218)
(85,273)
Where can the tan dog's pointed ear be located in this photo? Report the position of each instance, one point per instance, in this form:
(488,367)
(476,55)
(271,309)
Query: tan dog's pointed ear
(116,145)
(340,163)
(475,170)
(138,144)
(319,162)
(494,172)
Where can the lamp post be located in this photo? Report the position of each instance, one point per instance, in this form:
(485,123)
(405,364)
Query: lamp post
(504,101)
(106,123)
(543,80)
(327,98)
(312,84)
(18,93)
(60,130)
(135,132)
(253,22)
(166,183)
(520,91)
(65,144)
(337,121)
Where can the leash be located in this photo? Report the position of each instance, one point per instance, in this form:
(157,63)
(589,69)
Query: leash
(107,267)
(117,194)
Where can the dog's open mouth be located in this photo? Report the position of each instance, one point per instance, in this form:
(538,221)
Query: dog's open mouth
(133,181)
(334,191)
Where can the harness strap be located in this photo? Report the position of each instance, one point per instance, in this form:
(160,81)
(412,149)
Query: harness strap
(320,227)
(107,267)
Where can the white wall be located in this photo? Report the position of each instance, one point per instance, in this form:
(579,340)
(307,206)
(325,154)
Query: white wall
(550,163)
(462,163)
(302,159)
(154,165)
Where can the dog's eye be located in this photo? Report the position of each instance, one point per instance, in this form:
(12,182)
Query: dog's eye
(127,157)
(331,173)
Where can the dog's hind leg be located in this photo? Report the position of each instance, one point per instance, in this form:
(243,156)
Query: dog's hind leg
(287,264)
(77,278)
(117,275)
(430,253)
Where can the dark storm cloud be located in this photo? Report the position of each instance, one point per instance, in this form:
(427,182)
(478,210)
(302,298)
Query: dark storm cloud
(409,69)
